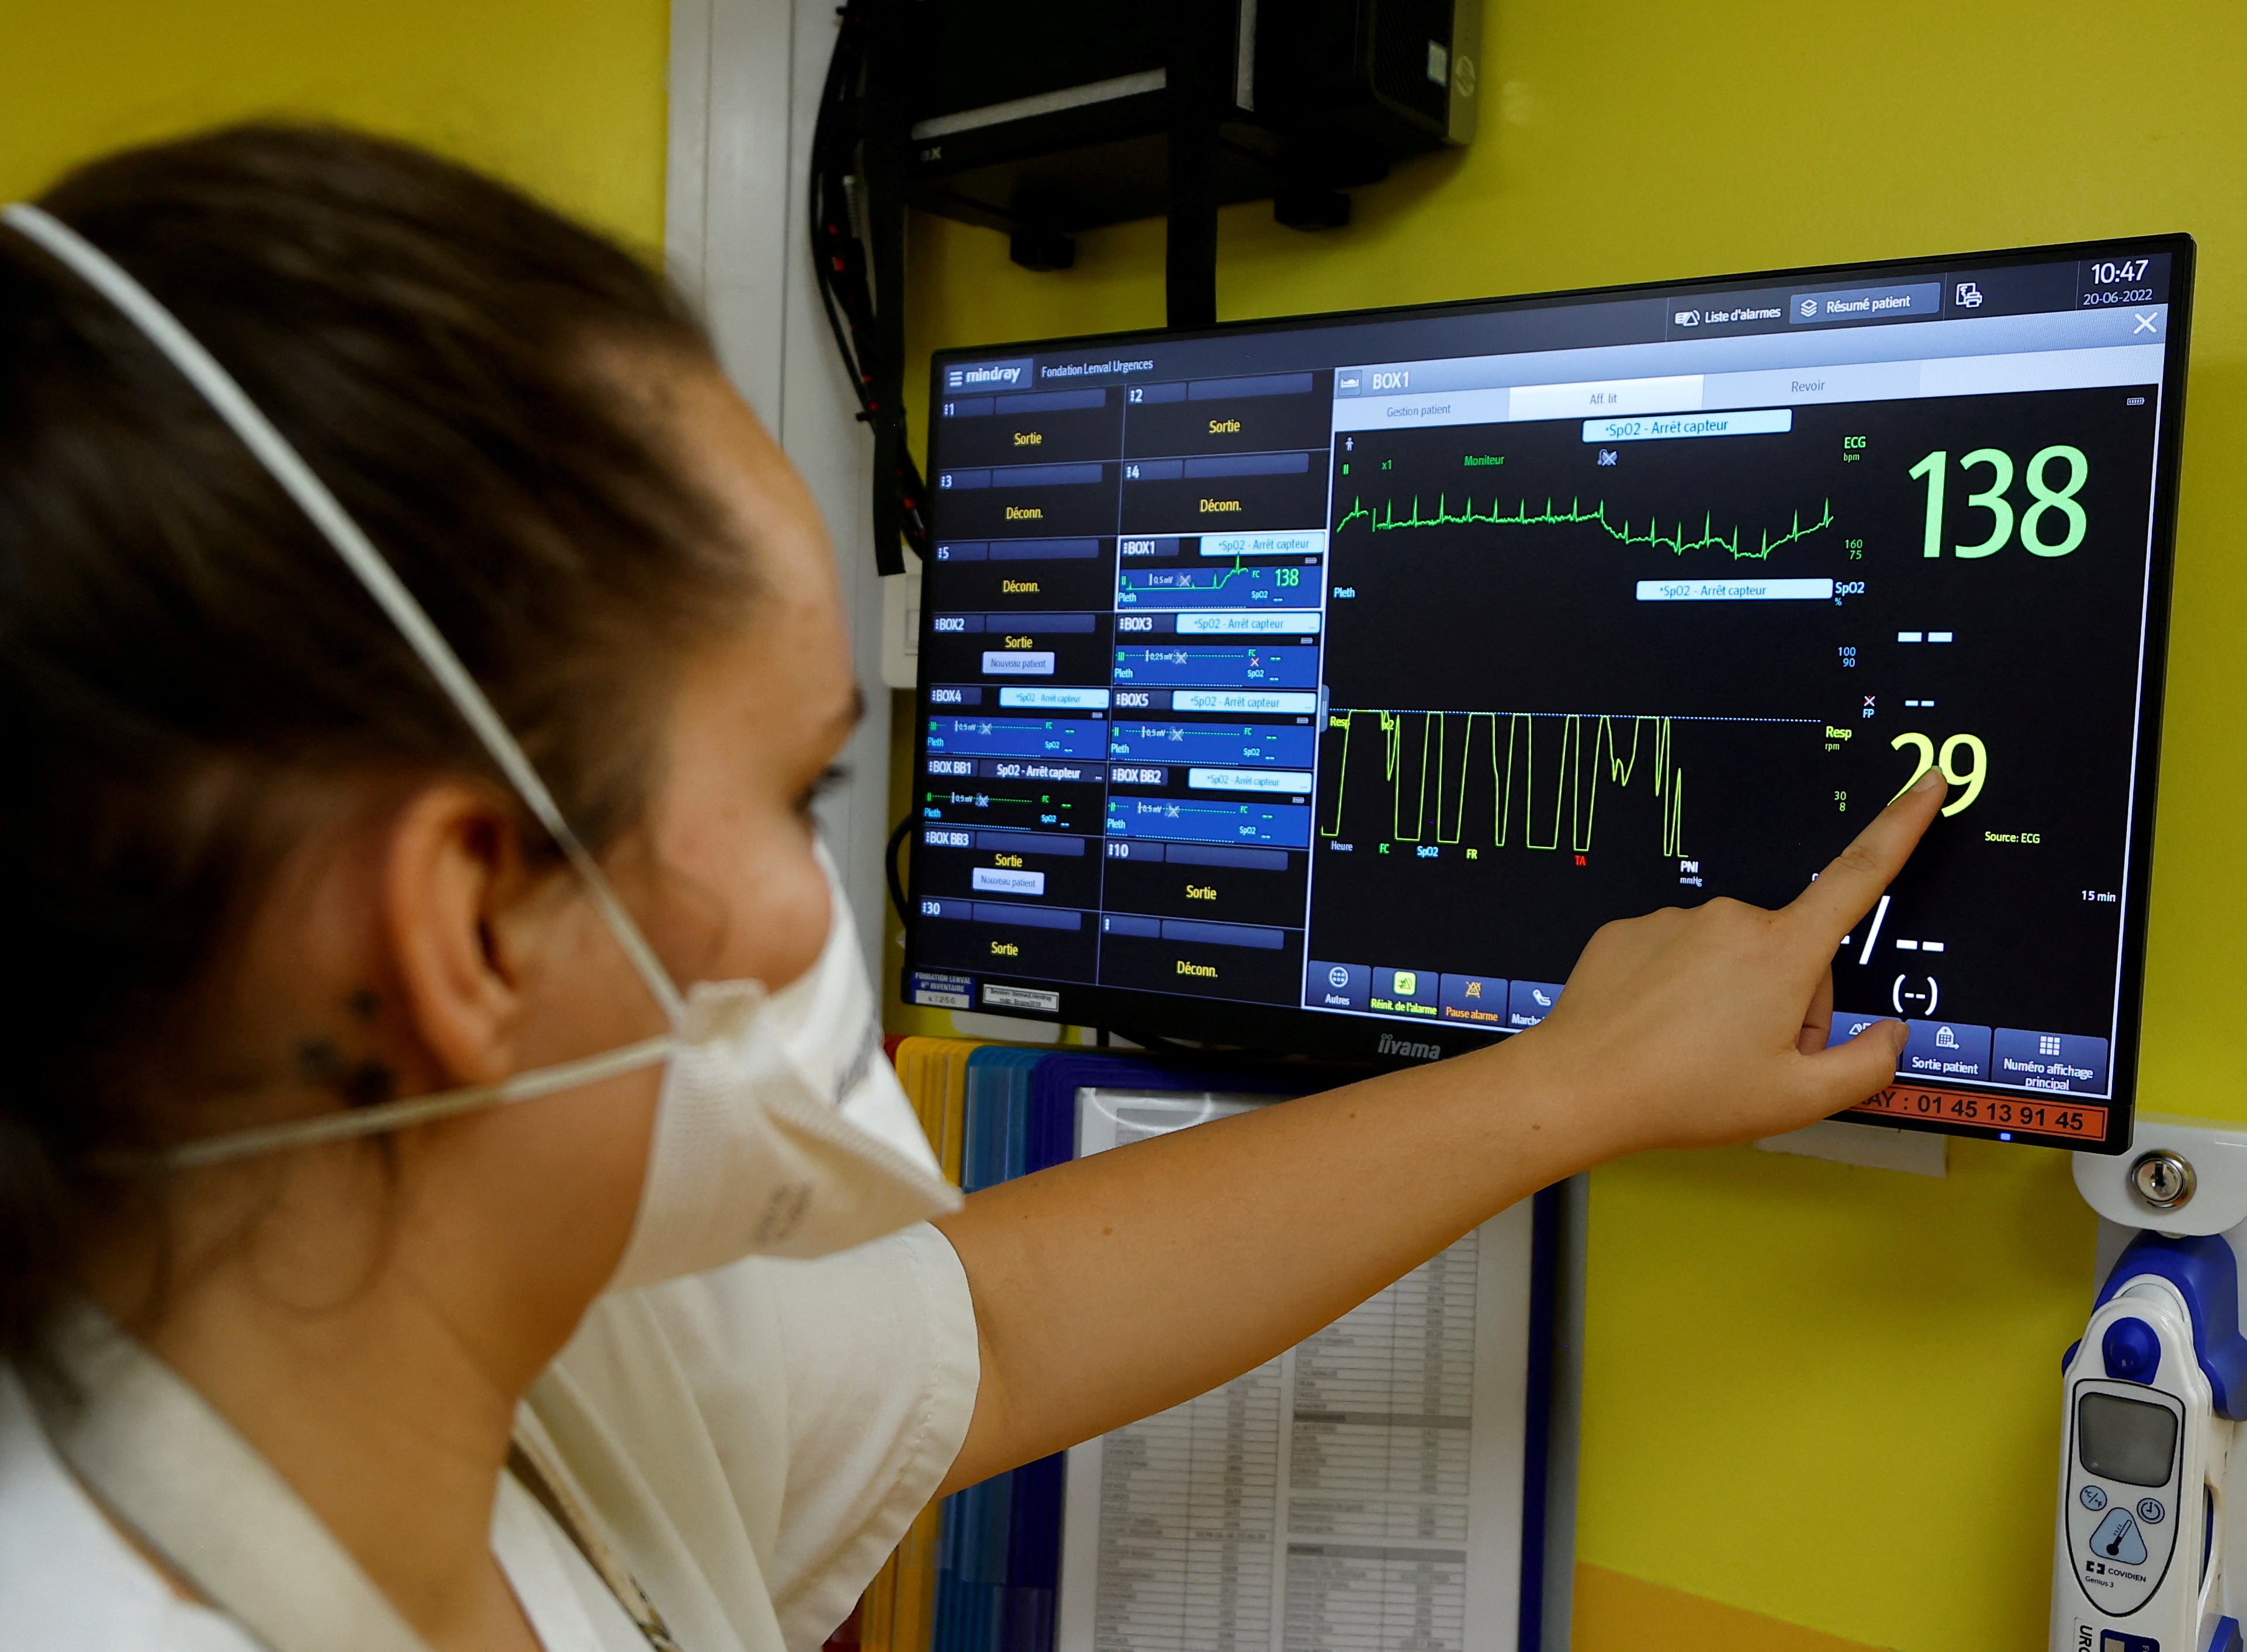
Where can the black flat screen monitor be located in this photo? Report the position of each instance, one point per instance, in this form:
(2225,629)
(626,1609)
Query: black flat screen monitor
(1323,683)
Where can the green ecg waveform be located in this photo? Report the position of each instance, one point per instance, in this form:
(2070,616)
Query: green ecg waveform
(1386,520)
(1218,579)
(1576,764)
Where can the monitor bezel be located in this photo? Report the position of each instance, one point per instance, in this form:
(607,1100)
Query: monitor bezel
(1155,1018)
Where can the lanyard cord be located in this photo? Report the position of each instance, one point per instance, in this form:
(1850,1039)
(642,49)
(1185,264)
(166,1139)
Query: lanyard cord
(157,1458)
(554,1496)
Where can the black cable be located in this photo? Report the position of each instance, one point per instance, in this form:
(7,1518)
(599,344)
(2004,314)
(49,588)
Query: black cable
(1237,1057)
(889,867)
(857,227)
(1195,98)
(837,255)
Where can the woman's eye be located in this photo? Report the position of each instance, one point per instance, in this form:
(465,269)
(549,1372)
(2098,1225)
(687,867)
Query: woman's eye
(830,777)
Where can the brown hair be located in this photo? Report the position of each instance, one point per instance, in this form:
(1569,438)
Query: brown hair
(177,643)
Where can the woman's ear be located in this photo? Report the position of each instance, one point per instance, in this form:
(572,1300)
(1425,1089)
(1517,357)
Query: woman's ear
(453,884)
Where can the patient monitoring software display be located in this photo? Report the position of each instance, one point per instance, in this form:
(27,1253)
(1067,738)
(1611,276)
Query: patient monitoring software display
(1324,684)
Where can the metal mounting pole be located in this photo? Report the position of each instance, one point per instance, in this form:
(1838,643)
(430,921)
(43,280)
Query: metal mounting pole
(1201,40)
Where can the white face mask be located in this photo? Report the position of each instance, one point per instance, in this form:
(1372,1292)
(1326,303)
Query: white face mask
(779,1129)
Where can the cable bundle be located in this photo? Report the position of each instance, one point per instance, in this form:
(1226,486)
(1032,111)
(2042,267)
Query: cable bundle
(857,254)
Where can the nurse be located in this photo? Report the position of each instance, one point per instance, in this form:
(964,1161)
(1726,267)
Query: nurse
(450,1193)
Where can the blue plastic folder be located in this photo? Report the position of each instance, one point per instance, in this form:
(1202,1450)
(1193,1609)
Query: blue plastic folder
(999,1560)
(986,1599)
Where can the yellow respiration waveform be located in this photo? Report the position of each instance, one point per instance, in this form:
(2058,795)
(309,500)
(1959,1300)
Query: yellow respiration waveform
(1547,772)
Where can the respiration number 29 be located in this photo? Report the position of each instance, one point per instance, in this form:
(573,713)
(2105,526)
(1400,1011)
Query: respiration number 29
(2052,525)
(1971,780)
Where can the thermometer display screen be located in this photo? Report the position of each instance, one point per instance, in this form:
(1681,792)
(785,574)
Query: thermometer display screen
(2125,1440)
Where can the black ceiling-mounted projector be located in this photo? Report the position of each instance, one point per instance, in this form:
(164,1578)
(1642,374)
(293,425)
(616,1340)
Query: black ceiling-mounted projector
(1041,120)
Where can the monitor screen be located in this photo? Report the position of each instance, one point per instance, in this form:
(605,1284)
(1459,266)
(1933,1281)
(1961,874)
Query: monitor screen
(1323,683)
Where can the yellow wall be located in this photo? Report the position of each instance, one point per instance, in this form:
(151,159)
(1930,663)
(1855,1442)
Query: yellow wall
(1616,1610)
(1824,1394)
(565,97)
(1820,1395)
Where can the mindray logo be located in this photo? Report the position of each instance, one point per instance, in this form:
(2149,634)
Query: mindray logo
(1391,1045)
(994,375)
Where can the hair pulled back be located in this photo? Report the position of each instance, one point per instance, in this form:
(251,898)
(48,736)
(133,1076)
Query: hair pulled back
(178,645)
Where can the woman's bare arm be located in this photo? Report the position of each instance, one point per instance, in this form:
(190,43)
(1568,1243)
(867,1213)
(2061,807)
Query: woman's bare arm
(1114,1286)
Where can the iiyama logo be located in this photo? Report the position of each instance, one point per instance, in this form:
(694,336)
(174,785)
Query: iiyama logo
(1391,1045)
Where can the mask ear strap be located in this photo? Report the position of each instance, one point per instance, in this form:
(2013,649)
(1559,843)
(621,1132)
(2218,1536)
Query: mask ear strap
(288,468)
(392,1115)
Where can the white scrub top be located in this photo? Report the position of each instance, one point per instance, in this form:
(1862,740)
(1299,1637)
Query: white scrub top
(753,1442)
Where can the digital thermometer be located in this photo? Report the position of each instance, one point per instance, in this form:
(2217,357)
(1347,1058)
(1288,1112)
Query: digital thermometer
(2147,1453)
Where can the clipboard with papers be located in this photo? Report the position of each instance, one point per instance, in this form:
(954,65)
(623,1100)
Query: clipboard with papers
(1383,1486)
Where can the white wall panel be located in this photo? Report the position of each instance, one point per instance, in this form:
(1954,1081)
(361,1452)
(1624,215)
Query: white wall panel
(745,81)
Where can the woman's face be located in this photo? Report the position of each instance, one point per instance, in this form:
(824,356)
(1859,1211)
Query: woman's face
(757,722)
(723,877)
(413,942)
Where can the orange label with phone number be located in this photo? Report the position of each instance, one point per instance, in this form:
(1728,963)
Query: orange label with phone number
(2078,1121)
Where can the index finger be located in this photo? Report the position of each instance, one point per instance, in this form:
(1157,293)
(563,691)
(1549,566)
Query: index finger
(1845,891)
